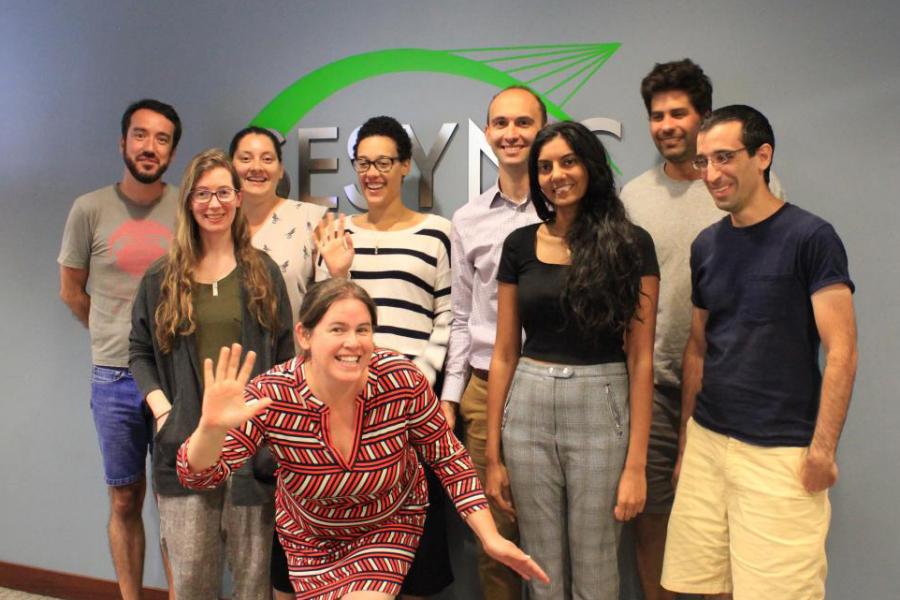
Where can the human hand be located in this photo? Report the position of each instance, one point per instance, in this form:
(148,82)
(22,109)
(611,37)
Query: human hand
(334,245)
(496,488)
(504,551)
(224,406)
(818,471)
(632,494)
(449,410)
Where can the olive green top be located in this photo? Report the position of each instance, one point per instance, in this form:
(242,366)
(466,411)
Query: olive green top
(218,316)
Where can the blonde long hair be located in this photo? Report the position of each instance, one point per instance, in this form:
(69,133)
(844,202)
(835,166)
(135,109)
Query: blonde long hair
(175,313)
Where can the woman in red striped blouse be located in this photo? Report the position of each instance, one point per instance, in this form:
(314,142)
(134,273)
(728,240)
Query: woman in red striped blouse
(345,422)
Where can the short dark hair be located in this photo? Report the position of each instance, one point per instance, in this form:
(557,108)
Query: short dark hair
(524,88)
(681,75)
(388,127)
(253,129)
(156,106)
(755,127)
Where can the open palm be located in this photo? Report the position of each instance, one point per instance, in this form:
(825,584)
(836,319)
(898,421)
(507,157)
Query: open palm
(335,245)
(224,406)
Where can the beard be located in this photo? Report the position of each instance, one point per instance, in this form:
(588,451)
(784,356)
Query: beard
(687,152)
(144,176)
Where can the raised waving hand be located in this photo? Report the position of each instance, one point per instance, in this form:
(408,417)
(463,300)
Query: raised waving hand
(335,245)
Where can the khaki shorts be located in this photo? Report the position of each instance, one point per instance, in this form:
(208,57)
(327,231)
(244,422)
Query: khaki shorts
(743,522)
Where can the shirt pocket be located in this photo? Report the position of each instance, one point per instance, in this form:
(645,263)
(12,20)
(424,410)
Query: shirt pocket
(768,298)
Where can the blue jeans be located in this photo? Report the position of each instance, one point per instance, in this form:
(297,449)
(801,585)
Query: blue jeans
(124,424)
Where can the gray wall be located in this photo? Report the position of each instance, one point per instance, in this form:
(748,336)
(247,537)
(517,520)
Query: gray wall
(826,73)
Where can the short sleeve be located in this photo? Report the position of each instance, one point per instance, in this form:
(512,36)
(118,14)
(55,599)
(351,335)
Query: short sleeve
(824,260)
(508,270)
(75,251)
(647,252)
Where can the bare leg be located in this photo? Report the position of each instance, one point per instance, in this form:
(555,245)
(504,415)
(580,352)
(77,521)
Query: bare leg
(126,537)
(650,538)
(168,569)
(286,595)
(365,595)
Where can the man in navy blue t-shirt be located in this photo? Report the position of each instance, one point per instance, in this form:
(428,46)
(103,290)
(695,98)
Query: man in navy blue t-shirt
(760,420)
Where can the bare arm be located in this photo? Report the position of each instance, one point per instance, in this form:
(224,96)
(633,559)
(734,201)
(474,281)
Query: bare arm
(73,291)
(159,406)
(639,347)
(507,348)
(691,377)
(835,320)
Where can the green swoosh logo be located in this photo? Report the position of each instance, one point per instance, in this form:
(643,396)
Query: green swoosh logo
(291,105)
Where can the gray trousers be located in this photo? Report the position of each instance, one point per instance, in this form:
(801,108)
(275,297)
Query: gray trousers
(192,531)
(565,437)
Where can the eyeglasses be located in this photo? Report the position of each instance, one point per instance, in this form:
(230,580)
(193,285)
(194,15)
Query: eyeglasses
(382,163)
(224,195)
(701,163)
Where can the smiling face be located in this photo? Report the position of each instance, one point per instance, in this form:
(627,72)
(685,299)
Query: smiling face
(340,345)
(214,217)
(147,147)
(381,189)
(734,184)
(514,118)
(561,173)
(674,123)
(257,164)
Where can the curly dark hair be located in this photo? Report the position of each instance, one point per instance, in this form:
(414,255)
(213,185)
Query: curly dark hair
(603,283)
(681,75)
(388,127)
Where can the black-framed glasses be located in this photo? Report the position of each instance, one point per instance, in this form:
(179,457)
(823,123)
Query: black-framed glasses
(382,163)
(224,195)
(722,157)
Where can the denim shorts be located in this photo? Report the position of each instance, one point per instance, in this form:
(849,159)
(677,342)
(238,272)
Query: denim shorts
(124,424)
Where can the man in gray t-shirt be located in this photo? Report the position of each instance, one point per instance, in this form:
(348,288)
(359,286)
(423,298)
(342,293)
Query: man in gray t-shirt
(672,203)
(112,235)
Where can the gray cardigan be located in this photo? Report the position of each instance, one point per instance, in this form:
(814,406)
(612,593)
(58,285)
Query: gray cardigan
(179,375)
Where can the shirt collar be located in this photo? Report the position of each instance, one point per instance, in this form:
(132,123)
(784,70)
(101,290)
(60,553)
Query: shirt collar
(498,198)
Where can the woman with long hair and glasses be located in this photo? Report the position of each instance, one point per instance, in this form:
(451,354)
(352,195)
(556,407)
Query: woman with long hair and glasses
(569,412)
(347,423)
(212,290)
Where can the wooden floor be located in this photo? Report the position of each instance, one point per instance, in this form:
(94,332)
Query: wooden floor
(6,594)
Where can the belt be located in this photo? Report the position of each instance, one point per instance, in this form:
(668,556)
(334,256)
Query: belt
(481,374)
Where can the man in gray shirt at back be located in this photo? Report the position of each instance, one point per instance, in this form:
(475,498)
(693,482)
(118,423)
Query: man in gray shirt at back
(672,203)
(112,235)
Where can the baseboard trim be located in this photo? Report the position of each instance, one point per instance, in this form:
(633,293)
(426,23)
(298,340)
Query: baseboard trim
(65,585)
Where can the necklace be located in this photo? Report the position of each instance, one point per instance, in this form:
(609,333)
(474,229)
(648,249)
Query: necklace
(561,239)
(375,238)
(217,278)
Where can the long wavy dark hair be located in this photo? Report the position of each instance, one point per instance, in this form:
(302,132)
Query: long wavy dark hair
(603,283)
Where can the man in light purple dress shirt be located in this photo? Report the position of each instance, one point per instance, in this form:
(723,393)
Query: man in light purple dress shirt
(479,228)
